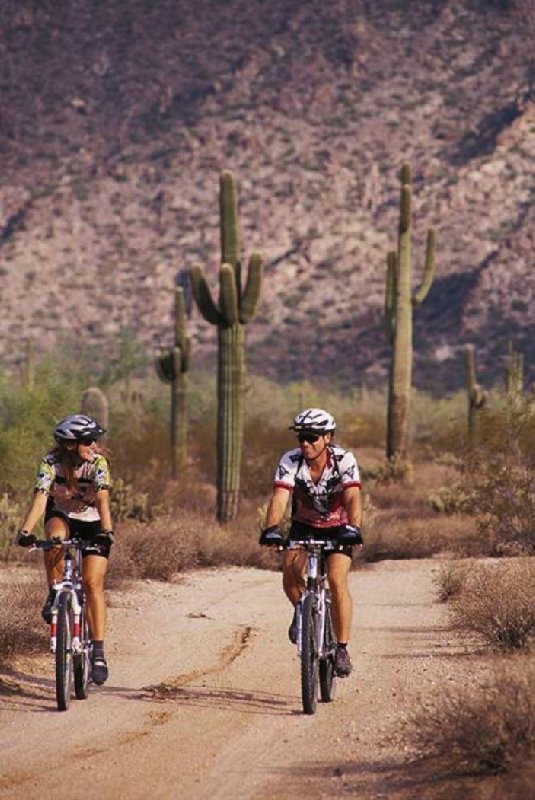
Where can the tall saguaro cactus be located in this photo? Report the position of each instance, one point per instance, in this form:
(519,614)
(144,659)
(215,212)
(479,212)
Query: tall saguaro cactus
(399,305)
(94,403)
(514,372)
(231,314)
(477,397)
(172,366)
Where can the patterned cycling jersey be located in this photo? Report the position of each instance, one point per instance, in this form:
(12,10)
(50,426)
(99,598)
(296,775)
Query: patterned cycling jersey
(318,504)
(92,476)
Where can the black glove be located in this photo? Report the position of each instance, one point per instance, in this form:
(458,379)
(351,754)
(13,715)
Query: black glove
(105,537)
(271,537)
(25,539)
(351,536)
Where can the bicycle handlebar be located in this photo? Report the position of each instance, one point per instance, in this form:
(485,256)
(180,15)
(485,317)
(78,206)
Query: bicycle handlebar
(49,544)
(323,544)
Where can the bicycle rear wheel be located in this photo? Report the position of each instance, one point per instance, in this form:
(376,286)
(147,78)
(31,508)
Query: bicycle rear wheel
(64,672)
(81,662)
(327,675)
(309,656)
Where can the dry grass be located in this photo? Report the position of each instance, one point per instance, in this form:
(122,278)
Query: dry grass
(497,602)
(21,627)
(451,579)
(477,729)
(173,544)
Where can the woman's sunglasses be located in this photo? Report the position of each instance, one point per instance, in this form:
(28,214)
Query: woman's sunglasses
(310,438)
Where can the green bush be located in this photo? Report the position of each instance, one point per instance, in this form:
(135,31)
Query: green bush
(27,419)
(498,477)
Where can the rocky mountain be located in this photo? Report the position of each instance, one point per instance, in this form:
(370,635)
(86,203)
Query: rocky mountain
(117,118)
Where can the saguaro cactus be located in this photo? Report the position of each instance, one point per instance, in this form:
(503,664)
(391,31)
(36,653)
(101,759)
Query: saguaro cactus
(514,372)
(28,366)
(94,403)
(399,304)
(235,308)
(477,397)
(172,366)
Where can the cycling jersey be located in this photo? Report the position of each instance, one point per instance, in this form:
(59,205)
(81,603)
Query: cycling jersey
(318,504)
(92,476)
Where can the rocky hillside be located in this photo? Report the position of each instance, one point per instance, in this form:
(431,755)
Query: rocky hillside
(117,118)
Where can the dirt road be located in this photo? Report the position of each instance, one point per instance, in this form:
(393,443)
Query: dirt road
(203,699)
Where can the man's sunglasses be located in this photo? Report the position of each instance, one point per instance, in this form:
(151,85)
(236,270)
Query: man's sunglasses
(310,438)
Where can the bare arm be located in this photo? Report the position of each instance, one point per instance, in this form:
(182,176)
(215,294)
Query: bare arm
(352,501)
(103,508)
(35,512)
(277,506)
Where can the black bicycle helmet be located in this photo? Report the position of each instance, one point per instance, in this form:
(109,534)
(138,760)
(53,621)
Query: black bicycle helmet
(78,428)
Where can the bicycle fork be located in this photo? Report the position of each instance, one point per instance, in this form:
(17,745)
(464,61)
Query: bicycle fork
(319,600)
(65,587)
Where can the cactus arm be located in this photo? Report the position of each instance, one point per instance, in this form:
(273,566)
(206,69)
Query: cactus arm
(203,298)
(228,216)
(180,317)
(429,269)
(252,289)
(406,174)
(390,296)
(228,299)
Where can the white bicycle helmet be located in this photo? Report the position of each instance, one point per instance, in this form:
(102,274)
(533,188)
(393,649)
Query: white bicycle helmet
(314,420)
(78,428)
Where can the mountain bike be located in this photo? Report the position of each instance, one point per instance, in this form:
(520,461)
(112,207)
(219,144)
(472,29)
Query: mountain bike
(316,640)
(69,630)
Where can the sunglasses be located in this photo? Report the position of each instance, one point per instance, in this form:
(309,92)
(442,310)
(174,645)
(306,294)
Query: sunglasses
(310,438)
(87,442)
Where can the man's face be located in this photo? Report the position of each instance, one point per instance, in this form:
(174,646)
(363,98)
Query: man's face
(312,444)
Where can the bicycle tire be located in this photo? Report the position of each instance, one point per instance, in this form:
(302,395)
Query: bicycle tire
(326,671)
(309,656)
(64,671)
(81,663)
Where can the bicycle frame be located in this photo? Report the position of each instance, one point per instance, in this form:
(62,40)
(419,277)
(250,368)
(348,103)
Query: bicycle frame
(71,583)
(315,635)
(69,631)
(316,580)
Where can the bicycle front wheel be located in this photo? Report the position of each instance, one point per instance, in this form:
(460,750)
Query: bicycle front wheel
(81,662)
(309,656)
(327,675)
(64,672)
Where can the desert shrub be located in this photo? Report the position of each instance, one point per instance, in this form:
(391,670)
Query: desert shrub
(21,627)
(389,534)
(485,728)
(450,499)
(169,545)
(10,517)
(389,470)
(498,477)
(451,579)
(498,603)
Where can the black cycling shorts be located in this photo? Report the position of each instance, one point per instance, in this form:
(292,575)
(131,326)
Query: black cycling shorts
(299,530)
(84,530)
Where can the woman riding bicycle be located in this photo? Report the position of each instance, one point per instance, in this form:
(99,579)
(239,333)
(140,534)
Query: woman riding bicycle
(324,482)
(72,492)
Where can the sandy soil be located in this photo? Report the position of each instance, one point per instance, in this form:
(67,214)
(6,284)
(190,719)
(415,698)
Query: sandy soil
(203,699)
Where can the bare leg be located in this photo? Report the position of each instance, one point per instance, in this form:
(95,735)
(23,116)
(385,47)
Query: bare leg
(293,574)
(55,527)
(94,570)
(338,566)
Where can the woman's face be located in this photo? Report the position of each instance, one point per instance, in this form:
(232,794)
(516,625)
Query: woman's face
(87,451)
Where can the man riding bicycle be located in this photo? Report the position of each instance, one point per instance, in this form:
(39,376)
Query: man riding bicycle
(72,493)
(323,480)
